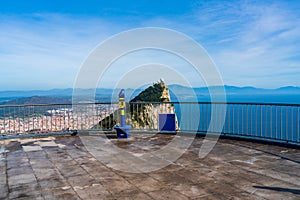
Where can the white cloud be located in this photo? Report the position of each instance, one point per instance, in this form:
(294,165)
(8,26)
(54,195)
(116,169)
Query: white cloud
(46,46)
(258,47)
(252,43)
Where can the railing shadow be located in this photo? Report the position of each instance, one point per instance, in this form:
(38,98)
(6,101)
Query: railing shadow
(278,189)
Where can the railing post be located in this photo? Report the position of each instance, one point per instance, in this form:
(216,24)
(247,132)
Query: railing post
(123,129)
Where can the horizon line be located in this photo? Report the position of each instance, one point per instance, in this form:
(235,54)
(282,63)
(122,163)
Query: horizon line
(106,88)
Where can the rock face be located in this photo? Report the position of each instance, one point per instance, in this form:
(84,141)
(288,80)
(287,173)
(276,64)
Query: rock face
(159,92)
(144,109)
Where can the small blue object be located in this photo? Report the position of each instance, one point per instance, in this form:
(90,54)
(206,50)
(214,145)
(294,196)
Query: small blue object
(123,131)
(167,122)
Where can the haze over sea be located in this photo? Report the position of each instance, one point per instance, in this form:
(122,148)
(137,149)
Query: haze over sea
(288,95)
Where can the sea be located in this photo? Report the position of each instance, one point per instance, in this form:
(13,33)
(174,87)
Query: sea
(5,99)
(274,117)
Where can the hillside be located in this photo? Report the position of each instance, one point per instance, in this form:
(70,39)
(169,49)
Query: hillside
(144,115)
(157,93)
(39,100)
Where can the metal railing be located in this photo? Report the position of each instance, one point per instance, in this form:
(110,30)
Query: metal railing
(278,122)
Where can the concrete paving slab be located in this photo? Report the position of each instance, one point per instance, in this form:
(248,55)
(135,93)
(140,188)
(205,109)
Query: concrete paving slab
(94,191)
(25,190)
(167,194)
(60,193)
(32,148)
(146,184)
(61,168)
(47,144)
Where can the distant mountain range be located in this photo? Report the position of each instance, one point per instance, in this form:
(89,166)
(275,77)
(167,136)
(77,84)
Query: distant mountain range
(178,92)
(38,100)
(104,91)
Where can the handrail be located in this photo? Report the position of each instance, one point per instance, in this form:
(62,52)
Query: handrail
(57,104)
(275,121)
(145,102)
(206,102)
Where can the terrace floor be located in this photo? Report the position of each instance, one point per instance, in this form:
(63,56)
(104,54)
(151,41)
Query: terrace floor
(62,168)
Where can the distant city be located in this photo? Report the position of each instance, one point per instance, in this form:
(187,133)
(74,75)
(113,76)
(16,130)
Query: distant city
(56,119)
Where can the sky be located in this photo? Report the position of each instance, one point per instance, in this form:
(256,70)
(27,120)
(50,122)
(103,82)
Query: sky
(43,44)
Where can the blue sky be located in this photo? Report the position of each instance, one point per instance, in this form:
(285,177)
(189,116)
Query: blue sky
(44,43)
